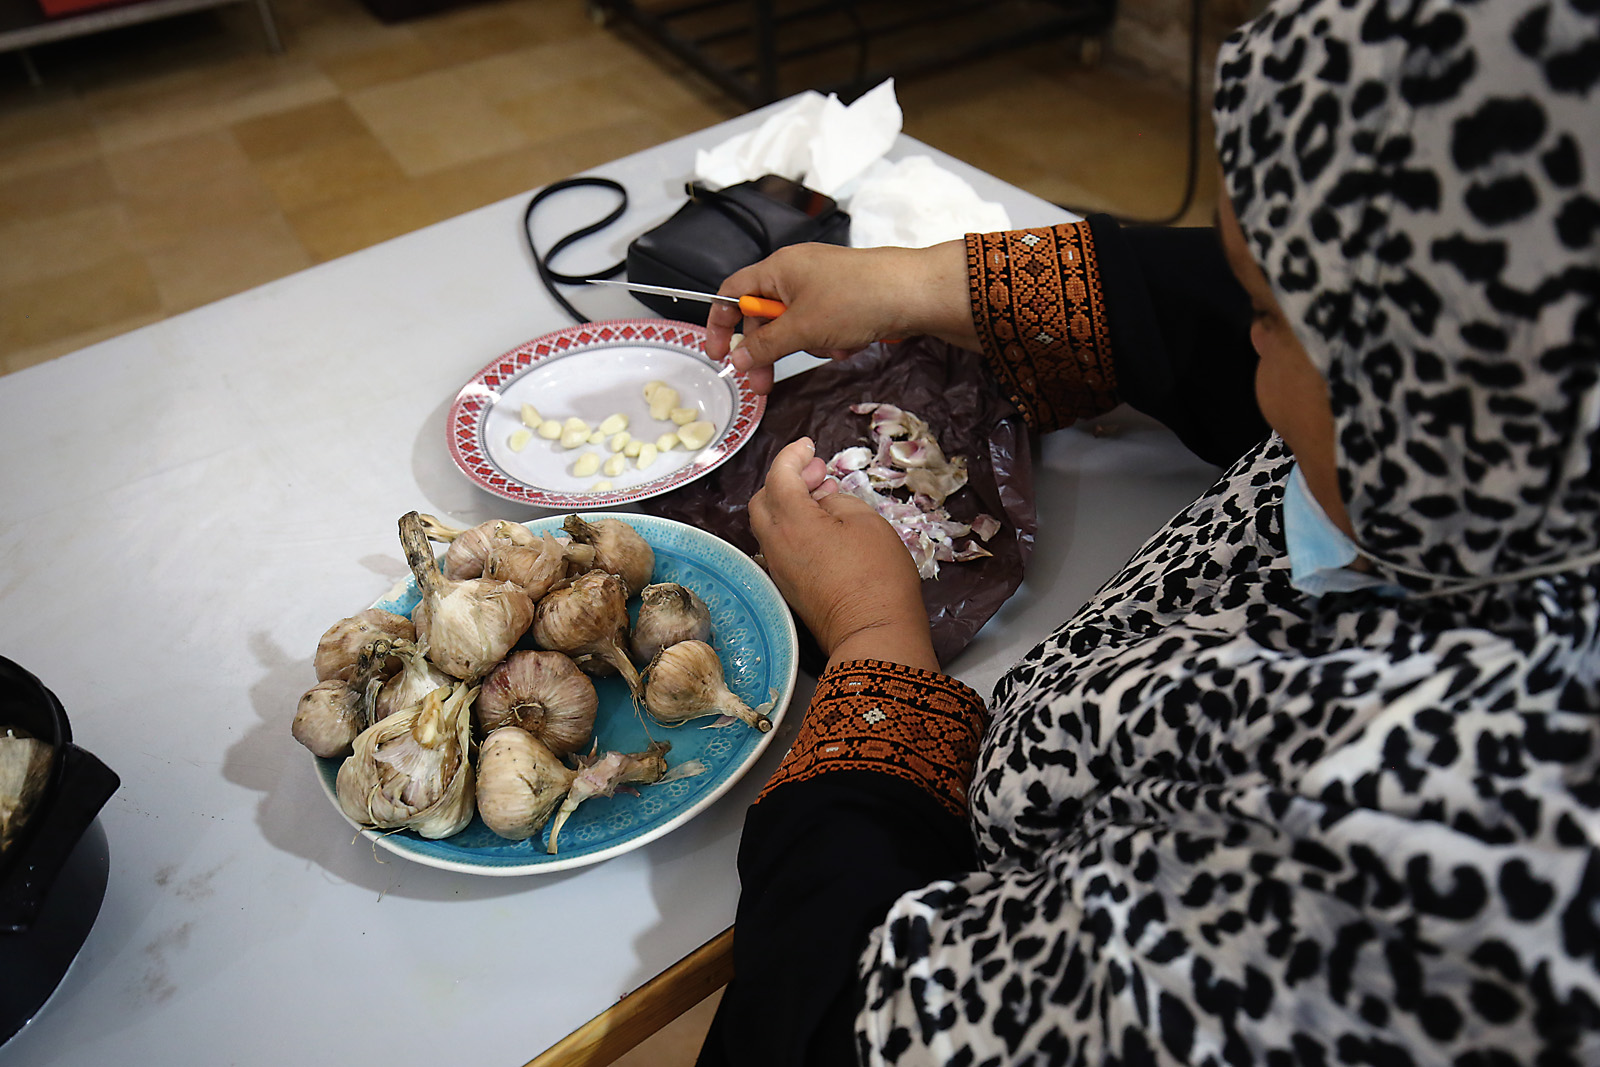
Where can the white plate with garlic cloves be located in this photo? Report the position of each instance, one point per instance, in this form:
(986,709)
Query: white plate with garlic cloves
(601,414)
(548,695)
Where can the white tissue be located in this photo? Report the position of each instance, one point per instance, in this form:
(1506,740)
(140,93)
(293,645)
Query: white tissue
(916,203)
(816,140)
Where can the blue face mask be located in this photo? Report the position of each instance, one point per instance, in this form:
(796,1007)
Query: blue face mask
(1319,552)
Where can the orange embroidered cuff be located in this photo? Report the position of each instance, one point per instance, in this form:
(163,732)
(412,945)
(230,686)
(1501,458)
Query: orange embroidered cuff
(1041,316)
(913,724)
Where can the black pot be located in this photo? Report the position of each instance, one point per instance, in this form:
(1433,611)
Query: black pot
(50,887)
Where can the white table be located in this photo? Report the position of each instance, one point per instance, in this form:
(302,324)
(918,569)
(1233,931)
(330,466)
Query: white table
(188,506)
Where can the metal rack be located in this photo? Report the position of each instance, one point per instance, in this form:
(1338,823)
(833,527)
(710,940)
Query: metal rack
(760,50)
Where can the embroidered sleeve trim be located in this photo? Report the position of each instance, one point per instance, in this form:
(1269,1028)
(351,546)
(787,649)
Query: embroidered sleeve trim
(912,724)
(1041,316)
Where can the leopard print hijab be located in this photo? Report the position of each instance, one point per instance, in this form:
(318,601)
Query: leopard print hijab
(1219,821)
(1420,183)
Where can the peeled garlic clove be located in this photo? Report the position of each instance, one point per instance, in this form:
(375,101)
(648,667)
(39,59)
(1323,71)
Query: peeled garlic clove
(588,617)
(469,626)
(602,486)
(682,416)
(615,466)
(602,777)
(697,435)
(341,645)
(520,782)
(411,770)
(586,465)
(668,613)
(619,441)
(537,568)
(550,430)
(662,401)
(543,693)
(650,389)
(614,424)
(531,417)
(417,678)
(632,447)
(574,438)
(470,547)
(666,442)
(647,455)
(685,682)
(618,549)
(328,718)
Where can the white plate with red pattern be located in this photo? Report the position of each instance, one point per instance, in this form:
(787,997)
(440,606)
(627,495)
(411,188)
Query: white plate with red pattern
(593,371)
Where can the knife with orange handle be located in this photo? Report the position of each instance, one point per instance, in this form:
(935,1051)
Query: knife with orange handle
(755,306)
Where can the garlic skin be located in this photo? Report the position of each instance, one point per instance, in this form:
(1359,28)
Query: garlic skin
(411,770)
(520,782)
(328,718)
(668,613)
(685,682)
(469,548)
(538,567)
(470,625)
(417,678)
(618,549)
(588,620)
(543,693)
(342,643)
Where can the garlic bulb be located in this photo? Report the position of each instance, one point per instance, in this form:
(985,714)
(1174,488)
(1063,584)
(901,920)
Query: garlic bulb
(411,771)
(618,549)
(685,682)
(470,625)
(333,712)
(538,567)
(328,718)
(469,548)
(668,613)
(344,640)
(588,618)
(520,782)
(545,694)
(602,776)
(417,678)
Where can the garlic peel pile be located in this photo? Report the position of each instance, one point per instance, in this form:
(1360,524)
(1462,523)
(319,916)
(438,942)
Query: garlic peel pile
(907,457)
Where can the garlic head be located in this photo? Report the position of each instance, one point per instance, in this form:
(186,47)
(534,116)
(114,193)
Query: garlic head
(685,681)
(618,549)
(588,618)
(342,643)
(469,625)
(411,770)
(520,782)
(543,693)
(668,613)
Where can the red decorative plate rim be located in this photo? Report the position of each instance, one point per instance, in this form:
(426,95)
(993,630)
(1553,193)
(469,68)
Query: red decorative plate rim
(464,425)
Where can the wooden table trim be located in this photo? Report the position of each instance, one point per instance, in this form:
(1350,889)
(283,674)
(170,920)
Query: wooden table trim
(639,1014)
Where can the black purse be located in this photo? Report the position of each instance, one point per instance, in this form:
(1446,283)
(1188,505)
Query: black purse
(716,233)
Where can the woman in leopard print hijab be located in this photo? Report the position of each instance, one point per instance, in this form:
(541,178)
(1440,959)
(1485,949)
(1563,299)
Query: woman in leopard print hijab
(1256,827)
(1220,820)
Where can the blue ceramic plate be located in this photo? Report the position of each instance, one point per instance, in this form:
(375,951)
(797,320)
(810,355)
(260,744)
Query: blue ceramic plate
(753,633)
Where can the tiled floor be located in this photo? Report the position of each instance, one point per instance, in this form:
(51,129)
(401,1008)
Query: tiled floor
(169,165)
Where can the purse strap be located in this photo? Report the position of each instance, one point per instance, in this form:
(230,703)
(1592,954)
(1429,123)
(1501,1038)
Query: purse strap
(541,263)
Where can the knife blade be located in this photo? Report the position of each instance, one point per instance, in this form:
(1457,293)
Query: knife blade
(757,306)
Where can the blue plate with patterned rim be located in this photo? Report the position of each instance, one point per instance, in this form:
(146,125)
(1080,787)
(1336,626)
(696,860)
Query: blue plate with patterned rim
(754,635)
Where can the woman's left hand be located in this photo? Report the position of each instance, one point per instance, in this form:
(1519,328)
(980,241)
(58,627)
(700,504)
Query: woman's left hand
(839,564)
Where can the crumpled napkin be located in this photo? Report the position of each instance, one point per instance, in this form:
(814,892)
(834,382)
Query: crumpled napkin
(838,151)
(915,203)
(816,140)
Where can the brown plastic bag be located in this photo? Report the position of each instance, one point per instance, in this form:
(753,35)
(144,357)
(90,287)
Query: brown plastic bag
(950,389)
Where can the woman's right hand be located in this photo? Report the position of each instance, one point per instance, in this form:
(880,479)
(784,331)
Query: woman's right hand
(840,300)
(839,564)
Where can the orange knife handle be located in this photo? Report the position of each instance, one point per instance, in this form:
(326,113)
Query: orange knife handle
(762,308)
